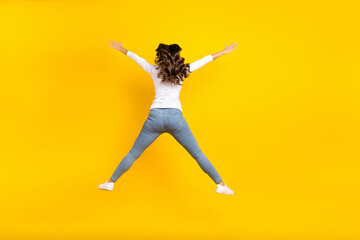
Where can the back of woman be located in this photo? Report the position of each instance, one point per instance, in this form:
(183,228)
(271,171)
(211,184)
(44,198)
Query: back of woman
(165,116)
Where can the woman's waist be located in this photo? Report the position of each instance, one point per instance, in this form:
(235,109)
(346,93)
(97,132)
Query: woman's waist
(166,98)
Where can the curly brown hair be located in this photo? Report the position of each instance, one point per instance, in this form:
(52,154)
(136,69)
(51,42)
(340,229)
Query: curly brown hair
(170,64)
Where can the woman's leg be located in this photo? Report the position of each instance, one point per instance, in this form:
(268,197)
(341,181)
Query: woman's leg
(184,136)
(146,137)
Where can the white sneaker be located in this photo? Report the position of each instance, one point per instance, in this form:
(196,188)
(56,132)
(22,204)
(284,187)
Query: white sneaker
(107,186)
(224,189)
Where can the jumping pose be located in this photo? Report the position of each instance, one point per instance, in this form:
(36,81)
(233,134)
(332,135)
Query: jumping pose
(165,113)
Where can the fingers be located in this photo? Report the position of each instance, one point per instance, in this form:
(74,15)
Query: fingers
(114,42)
(233,45)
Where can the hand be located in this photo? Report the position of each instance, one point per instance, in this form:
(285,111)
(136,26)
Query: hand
(229,48)
(117,46)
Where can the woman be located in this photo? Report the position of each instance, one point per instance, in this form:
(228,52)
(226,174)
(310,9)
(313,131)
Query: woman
(165,112)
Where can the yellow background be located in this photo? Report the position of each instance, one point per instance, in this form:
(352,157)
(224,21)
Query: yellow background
(278,117)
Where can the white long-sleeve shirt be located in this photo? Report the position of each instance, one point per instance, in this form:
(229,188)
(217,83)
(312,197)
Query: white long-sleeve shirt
(166,94)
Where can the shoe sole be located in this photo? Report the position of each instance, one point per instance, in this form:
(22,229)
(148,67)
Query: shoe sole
(225,193)
(105,189)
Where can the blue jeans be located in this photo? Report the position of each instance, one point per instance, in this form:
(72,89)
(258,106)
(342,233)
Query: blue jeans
(170,120)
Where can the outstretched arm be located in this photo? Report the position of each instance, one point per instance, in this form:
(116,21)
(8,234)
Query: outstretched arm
(141,61)
(226,50)
(201,62)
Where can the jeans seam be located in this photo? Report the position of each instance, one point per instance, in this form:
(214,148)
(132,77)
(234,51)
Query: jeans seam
(162,121)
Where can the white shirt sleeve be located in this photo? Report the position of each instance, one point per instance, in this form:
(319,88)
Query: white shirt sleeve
(141,61)
(201,62)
